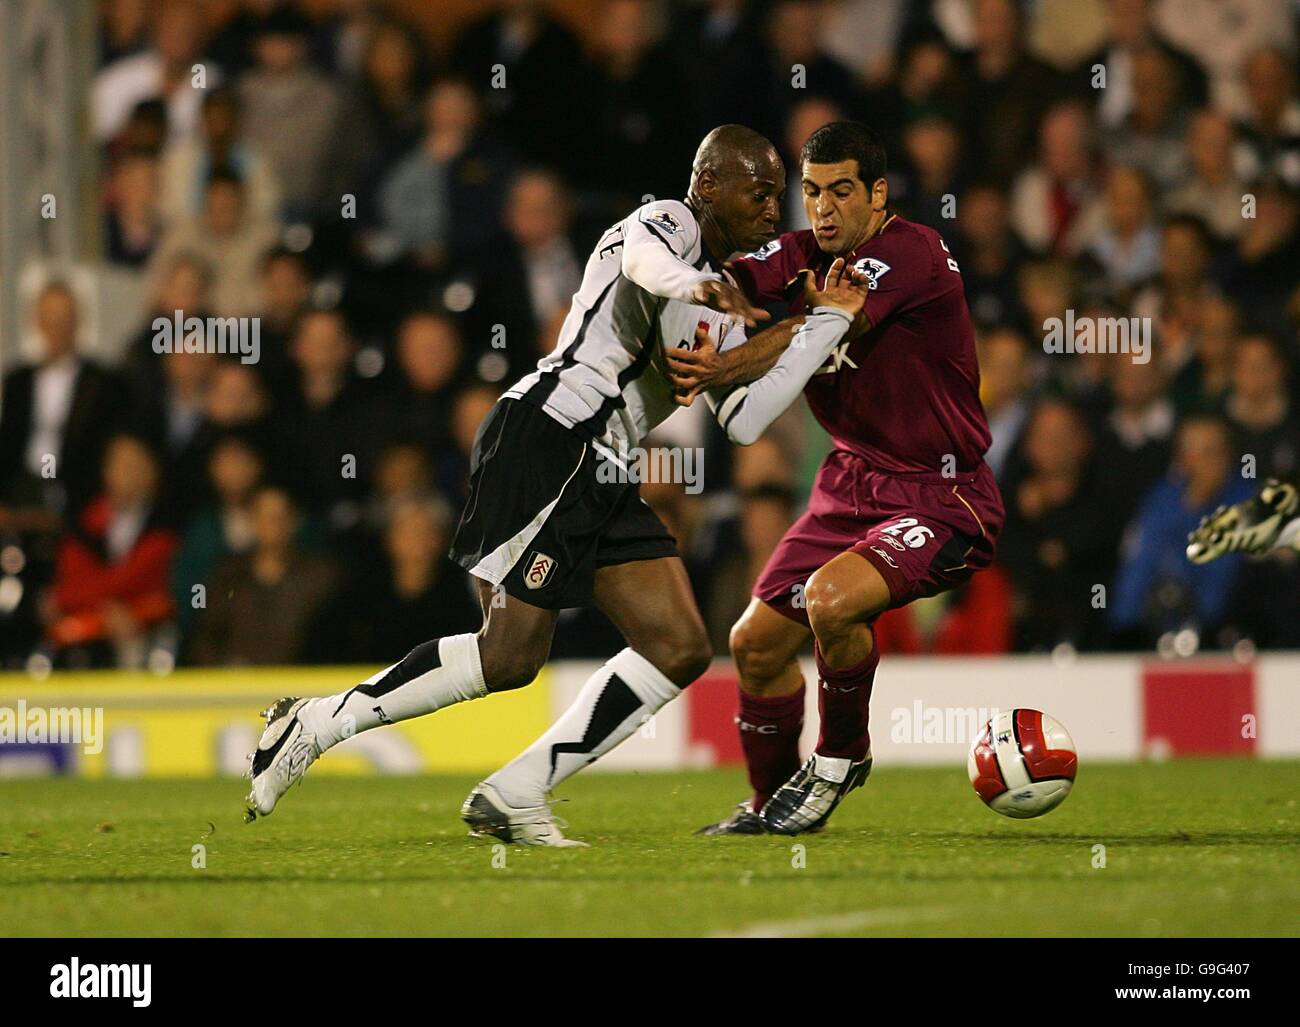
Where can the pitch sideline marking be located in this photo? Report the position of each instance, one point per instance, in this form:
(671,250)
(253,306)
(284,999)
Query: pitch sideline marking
(809,927)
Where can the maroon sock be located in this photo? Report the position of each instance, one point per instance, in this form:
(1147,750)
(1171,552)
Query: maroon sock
(844,699)
(769,735)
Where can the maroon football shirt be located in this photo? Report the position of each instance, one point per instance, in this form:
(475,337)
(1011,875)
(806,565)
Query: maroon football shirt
(904,395)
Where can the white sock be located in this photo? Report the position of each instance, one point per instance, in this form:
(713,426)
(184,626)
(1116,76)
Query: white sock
(430,677)
(613,703)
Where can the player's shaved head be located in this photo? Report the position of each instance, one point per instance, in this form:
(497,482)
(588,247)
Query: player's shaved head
(737,180)
(734,149)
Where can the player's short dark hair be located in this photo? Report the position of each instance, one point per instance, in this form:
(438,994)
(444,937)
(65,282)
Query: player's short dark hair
(847,140)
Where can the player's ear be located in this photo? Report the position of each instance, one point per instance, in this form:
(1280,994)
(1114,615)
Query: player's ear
(706,184)
(879,194)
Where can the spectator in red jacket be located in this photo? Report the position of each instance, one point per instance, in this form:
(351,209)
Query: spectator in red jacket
(111,576)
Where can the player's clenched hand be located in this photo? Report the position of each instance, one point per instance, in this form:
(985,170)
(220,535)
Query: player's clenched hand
(727,299)
(845,289)
(690,371)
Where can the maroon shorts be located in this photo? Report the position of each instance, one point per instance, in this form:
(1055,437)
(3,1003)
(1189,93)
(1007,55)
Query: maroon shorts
(924,534)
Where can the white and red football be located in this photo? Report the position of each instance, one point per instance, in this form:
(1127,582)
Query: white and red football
(1022,764)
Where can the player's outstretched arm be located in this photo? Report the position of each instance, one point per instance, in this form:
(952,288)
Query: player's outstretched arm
(706,368)
(654,247)
(745,411)
(693,371)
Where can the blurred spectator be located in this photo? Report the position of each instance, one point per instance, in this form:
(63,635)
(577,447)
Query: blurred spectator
(237,397)
(1270,131)
(292,114)
(145,131)
(189,164)
(864,36)
(173,419)
(1004,391)
(1131,32)
(1214,193)
(429,359)
(1202,384)
(1157,589)
(133,221)
(932,146)
(1056,202)
(165,71)
(124,29)
(419,594)
(286,286)
(402,475)
(110,584)
(1153,135)
(1221,35)
(529,280)
(1261,275)
(442,201)
(1137,440)
(1009,91)
(1258,408)
(222,527)
(1127,243)
(330,426)
(1175,299)
(634,109)
(231,238)
(263,605)
(989,255)
(56,414)
(928,81)
(183,285)
(395,78)
(720,81)
(1059,540)
(795,65)
(542,72)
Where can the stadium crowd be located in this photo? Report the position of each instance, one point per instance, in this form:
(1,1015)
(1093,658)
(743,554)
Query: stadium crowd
(408,215)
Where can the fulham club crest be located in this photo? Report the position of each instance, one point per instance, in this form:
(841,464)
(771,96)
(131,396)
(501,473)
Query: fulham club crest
(539,570)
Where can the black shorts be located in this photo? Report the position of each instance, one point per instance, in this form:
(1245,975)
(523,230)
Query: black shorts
(539,520)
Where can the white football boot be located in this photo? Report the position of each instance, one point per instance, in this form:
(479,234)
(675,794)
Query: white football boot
(805,802)
(490,816)
(1252,526)
(282,757)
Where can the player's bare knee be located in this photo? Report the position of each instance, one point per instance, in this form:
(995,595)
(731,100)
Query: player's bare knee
(681,656)
(832,611)
(506,667)
(757,662)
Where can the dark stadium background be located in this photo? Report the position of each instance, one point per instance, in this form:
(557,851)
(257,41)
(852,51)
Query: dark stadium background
(409,236)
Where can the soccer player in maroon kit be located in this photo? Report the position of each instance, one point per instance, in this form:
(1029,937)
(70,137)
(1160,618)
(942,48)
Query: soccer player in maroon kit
(903,506)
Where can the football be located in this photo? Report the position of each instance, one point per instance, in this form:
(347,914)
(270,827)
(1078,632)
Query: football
(1022,764)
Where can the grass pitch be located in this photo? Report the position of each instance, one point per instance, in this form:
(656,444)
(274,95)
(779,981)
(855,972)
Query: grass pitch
(1203,847)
